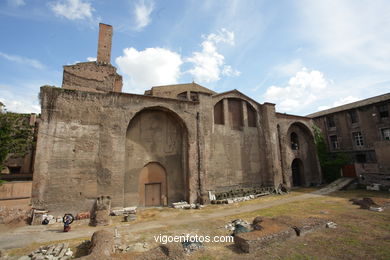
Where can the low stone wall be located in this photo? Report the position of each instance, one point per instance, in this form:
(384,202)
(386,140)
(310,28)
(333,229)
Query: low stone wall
(276,231)
(15,190)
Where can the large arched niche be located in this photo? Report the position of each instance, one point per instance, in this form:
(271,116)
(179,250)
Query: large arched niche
(156,137)
(301,148)
(235,113)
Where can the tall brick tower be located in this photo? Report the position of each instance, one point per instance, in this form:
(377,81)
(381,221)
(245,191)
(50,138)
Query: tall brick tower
(99,76)
(104,44)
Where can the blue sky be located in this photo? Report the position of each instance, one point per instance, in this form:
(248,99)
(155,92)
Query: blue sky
(302,55)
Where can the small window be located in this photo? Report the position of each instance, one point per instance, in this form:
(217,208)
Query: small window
(383,111)
(330,121)
(358,138)
(361,158)
(334,142)
(386,133)
(294,141)
(353,116)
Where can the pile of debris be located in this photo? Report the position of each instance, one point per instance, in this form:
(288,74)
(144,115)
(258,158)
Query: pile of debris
(237,199)
(42,217)
(244,194)
(238,226)
(367,203)
(59,252)
(128,213)
(186,205)
(190,247)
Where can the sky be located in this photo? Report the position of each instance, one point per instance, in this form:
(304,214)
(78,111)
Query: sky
(302,55)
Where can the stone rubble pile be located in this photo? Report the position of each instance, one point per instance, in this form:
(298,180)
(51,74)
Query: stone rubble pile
(238,199)
(42,217)
(190,247)
(53,252)
(128,213)
(331,225)
(237,223)
(186,205)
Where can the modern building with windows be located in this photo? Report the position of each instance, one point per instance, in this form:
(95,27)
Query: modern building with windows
(361,130)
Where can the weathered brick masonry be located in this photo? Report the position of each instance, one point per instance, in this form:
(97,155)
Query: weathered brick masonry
(174,143)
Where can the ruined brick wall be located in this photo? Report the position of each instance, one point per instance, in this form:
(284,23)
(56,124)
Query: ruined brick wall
(81,149)
(173,91)
(305,152)
(92,76)
(99,76)
(235,158)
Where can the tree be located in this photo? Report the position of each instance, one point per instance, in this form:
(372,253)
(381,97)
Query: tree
(16,135)
(331,163)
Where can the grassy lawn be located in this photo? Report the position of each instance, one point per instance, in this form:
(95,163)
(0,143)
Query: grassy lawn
(360,234)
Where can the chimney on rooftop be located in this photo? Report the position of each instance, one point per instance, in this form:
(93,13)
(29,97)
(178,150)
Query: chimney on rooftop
(104,44)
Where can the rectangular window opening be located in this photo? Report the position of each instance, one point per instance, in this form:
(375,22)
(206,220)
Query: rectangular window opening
(358,138)
(334,142)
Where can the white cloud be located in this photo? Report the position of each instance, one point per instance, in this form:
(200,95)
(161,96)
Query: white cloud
(302,90)
(142,14)
(91,59)
(16,2)
(353,32)
(150,67)
(19,102)
(72,9)
(209,64)
(22,60)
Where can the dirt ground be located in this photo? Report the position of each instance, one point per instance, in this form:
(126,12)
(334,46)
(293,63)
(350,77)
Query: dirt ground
(360,233)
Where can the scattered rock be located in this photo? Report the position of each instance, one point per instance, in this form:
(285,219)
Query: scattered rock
(238,228)
(256,224)
(377,209)
(366,203)
(374,186)
(190,247)
(59,252)
(185,205)
(331,225)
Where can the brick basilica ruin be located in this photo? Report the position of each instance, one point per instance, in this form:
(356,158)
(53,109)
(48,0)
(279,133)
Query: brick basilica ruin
(173,143)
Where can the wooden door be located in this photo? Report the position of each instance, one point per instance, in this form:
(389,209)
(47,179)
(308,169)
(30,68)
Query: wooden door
(153,194)
(349,171)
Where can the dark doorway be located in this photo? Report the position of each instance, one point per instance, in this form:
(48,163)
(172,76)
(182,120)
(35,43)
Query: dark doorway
(296,168)
(153,194)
